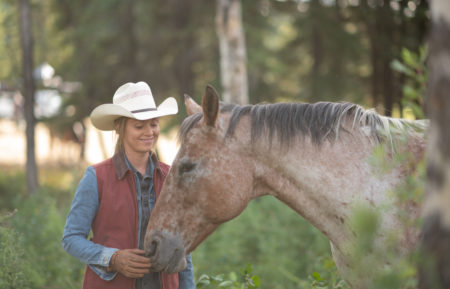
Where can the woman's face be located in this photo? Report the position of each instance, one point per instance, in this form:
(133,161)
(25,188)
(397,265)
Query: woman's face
(141,135)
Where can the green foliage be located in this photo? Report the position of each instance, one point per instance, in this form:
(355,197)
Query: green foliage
(14,267)
(283,248)
(31,238)
(413,66)
(320,282)
(326,277)
(369,257)
(245,281)
(296,50)
(388,266)
(41,224)
(12,185)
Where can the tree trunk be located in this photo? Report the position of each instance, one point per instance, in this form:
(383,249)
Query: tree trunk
(434,271)
(28,92)
(387,29)
(184,59)
(130,47)
(232,51)
(316,51)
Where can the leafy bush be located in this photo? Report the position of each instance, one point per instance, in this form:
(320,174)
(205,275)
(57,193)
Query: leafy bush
(41,224)
(413,66)
(31,239)
(283,247)
(245,281)
(12,186)
(400,271)
(13,265)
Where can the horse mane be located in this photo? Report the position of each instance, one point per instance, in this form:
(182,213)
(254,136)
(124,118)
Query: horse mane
(320,121)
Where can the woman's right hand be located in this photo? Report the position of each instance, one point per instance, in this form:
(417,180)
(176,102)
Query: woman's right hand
(130,262)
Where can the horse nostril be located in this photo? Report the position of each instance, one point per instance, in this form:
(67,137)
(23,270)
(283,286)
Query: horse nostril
(151,250)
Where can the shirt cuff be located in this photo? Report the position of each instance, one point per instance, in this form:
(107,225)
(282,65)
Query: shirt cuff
(101,268)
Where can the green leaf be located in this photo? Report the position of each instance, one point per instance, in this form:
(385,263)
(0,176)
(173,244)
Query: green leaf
(203,281)
(423,53)
(226,283)
(256,281)
(400,67)
(410,58)
(248,268)
(316,276)
(411,92)
(217,278)
(233,276)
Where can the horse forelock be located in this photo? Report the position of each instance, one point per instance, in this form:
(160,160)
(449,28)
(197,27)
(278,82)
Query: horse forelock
(187,125)
(321,121)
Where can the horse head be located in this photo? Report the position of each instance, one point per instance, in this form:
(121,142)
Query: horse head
(208,184)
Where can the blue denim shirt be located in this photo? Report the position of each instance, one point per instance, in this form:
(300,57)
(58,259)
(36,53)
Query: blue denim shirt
(78,225)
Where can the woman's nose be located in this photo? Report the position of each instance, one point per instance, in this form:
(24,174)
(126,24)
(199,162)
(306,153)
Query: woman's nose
(148,130)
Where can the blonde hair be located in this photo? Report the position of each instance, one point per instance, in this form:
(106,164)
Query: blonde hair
(120,124)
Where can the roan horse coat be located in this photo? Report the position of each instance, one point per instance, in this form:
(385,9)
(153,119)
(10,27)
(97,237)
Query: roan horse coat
(312,157)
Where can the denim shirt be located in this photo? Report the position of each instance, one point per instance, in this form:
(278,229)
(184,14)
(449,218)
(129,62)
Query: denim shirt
(78,225)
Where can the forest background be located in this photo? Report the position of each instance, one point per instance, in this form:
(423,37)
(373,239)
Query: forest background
(329,50)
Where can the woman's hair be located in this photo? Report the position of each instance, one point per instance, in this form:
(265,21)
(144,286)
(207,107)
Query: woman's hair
(119,124)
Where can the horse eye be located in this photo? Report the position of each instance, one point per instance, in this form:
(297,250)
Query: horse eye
(186,167)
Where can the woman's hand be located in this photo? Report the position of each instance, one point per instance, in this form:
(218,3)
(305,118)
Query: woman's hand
(130,262)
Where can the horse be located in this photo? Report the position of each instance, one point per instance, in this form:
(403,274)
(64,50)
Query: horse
(312,157)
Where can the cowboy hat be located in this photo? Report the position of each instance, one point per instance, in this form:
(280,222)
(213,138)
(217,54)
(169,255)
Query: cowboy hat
(133,100)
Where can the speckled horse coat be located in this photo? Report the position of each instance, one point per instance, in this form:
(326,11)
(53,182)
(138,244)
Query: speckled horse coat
(312,157)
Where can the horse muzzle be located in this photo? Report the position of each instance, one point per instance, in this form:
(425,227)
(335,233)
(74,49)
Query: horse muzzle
(165,251)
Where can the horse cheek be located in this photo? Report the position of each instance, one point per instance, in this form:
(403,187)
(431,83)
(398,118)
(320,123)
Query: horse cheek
(228,197)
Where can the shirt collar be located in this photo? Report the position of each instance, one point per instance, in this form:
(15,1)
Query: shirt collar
(148,170)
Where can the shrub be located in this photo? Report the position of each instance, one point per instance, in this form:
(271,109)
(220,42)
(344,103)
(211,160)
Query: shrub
(14,267)
(41,225)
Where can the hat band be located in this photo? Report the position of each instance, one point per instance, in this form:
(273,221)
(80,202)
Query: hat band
(143,110)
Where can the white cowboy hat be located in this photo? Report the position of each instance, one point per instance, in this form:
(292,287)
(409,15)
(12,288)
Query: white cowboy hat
(133,100)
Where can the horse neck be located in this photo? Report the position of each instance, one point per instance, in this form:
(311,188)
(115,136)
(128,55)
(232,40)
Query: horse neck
(320,183)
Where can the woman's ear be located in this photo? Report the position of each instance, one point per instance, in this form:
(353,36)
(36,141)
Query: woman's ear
(119,124)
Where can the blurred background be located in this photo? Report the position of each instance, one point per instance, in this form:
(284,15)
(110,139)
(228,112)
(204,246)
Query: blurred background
(60,58)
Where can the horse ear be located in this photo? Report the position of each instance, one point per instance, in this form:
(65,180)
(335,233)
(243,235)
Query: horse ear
(210,105)
(191,106)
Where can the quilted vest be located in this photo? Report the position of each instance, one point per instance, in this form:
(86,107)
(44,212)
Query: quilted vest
(117,197)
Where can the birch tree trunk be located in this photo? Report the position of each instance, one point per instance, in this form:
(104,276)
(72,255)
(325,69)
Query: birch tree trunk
(28,92)
(434,272)
(233,57)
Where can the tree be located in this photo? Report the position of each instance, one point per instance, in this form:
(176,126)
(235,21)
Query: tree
(434,270)
(28,92)
(232,51)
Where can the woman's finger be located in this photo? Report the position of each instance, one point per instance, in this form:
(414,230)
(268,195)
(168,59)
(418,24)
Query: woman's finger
(134,264)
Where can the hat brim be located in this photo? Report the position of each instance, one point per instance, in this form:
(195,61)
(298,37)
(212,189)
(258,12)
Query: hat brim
(103,116)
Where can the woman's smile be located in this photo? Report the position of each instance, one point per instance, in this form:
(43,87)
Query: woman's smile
(148,141)
(141,135)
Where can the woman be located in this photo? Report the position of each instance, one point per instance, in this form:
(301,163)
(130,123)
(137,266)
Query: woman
(115,197)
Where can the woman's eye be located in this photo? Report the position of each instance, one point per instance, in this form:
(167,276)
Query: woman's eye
(186,167)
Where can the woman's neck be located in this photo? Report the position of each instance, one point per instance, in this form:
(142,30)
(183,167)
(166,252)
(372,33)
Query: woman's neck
(138,160)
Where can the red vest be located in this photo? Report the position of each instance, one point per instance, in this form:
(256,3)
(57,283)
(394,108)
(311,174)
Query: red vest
(117,197)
